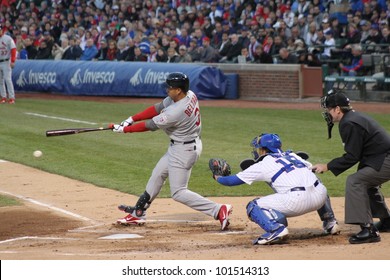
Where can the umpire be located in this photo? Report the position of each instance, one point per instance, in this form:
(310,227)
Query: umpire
(367,143)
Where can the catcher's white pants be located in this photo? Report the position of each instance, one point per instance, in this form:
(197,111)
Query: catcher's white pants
(176,165)
(295,203)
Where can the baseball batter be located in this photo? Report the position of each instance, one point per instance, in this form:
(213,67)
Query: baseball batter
(297,189)
(178,116)
(7,62)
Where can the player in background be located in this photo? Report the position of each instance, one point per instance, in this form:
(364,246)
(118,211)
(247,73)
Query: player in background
(178,116)
(367,144)
(7,62)
(297,189)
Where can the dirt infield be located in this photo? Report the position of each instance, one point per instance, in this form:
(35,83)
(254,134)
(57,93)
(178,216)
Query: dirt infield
(61,218)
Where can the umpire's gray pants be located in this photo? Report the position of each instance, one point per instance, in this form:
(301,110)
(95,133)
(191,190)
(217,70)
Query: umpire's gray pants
(363,198)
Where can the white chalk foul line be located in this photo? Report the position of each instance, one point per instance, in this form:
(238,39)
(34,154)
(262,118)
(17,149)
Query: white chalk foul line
(48,206)
(35,237)
(58,118)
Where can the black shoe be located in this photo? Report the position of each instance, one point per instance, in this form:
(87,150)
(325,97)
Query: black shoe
(383,225)
(366,235)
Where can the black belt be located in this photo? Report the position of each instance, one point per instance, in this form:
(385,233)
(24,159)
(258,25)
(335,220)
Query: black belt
(2,60)
(303,188)
(184,143)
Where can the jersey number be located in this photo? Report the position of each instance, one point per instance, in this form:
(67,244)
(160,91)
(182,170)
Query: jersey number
(197,114)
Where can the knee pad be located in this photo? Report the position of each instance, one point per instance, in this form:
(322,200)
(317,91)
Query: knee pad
(268,219)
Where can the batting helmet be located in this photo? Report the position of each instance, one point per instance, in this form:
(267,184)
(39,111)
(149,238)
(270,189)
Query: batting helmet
(268,141)
(177,80)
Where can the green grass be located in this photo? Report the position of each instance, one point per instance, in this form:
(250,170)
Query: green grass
(7,201)
(124,162)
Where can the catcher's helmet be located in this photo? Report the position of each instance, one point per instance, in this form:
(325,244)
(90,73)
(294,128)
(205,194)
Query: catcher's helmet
(333,99)
(177,80)
(268,141)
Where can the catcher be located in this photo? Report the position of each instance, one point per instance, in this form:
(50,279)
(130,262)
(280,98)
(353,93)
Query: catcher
(297,189)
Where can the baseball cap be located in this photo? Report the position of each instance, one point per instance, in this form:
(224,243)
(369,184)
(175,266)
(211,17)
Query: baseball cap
(123,29)
(207,39)
(24,28)
(183,48)
(325,20)
(329,32)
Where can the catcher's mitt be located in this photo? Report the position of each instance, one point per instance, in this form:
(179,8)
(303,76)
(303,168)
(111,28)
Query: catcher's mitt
(219,167)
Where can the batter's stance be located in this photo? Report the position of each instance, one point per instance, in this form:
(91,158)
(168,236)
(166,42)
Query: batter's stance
(297,189)
(7,62)
(179,116)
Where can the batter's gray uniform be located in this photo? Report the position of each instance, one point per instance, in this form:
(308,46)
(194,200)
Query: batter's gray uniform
(6,45)
(181,121)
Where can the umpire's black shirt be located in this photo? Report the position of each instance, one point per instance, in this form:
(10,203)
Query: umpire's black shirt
(364,141)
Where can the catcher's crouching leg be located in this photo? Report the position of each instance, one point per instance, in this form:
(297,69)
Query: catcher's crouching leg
(270,220)
(137,213)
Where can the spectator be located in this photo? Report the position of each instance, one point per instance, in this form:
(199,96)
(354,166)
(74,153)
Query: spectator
(252,46)
(139,56)
(49,40)
(216,39)
(356,66)
(43,51)
(207,53)
(123,36)
(338,30)
(161,55)
(374,37)
(74,52)
(353,36)
(121,52)
(21,52)
(90,51)
(261,56)
(365,30)
(244,38)
(184,38)
(173,56)
(102,52)
(130,50)
(82,37)
(30,48)
(184,57)
(277,45)
(194,50)
(329,45)
(58,51)
(112,50)
(311,36)
(244,57)
(152,56)
(233,52)
(286,57)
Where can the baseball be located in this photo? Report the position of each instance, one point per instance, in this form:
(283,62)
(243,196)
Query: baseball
(37,154)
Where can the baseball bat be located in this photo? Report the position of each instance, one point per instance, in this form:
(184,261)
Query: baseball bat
(69,131)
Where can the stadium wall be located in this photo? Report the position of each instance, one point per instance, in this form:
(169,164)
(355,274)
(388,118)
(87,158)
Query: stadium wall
(209,81)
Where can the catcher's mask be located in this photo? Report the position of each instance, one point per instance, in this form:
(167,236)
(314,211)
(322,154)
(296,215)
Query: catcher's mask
(268,141)
(177,80)
(333,99)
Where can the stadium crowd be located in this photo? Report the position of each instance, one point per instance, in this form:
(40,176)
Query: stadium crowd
(209,31)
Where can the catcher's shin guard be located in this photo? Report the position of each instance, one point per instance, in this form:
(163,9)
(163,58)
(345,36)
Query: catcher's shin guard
(268,219)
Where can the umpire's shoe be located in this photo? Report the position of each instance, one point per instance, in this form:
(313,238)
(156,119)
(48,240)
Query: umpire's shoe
(383,225)
(368,234)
